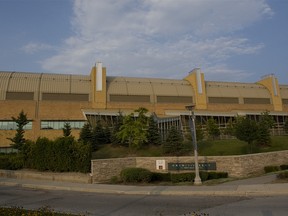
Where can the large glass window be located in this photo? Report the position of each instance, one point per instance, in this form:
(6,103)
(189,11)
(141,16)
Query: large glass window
(11,125)
(58,125)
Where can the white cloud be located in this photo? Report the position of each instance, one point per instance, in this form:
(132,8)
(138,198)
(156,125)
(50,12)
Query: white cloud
(157,38)
(33,47)
(217,72)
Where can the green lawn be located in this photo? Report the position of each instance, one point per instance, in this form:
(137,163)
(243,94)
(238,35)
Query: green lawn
(207,148)
(44,211)
(222,147)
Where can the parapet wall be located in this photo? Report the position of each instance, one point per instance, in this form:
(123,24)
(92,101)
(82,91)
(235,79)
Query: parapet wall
(239,166)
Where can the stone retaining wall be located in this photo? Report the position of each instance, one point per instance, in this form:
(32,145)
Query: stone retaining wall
(236,166)
(49,176)
(104,169)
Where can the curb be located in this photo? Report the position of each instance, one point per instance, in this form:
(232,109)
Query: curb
(241,190)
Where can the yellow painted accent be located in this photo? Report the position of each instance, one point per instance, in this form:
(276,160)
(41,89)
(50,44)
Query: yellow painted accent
(200,100)
(276,99)
(99,98)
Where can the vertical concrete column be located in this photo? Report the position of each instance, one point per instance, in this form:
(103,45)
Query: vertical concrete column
(196,79)
(98,86)
(271,83)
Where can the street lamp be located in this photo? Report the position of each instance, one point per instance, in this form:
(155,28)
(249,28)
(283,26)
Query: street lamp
(197,180)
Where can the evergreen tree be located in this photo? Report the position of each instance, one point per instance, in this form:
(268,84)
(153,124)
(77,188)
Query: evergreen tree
(264,125)
(286,126)
(229,130)
(18,140)
(199,132)
(107,135)
(98,136)
(153,135)
(173,142)
(86,134)
(67,129)
(116,128)
(212,128)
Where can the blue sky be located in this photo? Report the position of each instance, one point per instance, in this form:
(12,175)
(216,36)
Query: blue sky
(230,40)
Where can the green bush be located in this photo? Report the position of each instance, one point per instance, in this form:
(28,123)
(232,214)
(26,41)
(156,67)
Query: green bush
(161,177)
(283,175)
(182,177)
(284,167)
(217,175)
(204,176)
(114,180)
(43,211)
(11,161)
(269,169)
(134,175)
(64,154)
(187,177)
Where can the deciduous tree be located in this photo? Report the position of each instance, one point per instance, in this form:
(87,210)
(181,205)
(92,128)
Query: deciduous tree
(134,129)
(246,130)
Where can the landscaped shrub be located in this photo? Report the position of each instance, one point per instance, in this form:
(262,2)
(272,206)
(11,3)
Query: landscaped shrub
(187,177)
(62,155)
(269,169)
(43,211)
(283,175)
(182,177)
(217,175)
(134,175)
(114,180)
(161,177)
(11,161)
(284,167)
(204,176)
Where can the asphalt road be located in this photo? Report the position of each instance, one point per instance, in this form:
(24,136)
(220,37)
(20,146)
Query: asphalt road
(112,205)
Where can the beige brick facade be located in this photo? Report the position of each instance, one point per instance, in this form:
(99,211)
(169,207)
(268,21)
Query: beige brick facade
(56,97)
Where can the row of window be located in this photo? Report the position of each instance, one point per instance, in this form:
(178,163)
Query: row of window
(135,98)
(47,96)
(11,125)
(56,125)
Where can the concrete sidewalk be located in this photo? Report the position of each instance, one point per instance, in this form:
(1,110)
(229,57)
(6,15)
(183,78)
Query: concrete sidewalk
(260,186)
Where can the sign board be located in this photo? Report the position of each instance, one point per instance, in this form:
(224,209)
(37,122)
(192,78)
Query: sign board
(191,166)
(160,165)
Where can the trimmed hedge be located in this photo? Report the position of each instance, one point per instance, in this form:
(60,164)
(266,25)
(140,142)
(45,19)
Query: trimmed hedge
(268,169)
(182,177)
(284,167)
(11,161)
(217,175)
(161,177)
(189,177)
(283,175)
(135,175)
(64,154)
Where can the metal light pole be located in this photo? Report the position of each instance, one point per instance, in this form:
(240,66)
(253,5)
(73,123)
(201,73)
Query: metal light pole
(197,180)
